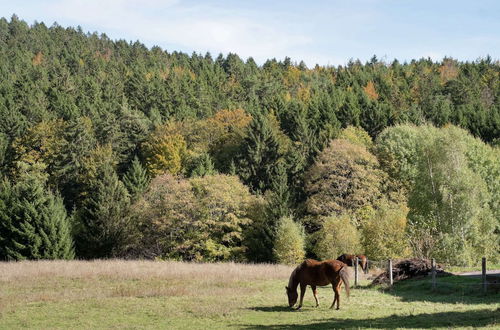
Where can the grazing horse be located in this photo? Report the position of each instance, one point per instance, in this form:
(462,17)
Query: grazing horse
(317,273)
(348,259)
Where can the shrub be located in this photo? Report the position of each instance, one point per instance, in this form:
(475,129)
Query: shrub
(338,235)
(384,235)
(289,242)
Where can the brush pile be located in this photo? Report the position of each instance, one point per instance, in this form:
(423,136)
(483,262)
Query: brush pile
(408,268)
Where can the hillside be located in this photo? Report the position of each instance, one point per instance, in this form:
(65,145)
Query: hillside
(108,148)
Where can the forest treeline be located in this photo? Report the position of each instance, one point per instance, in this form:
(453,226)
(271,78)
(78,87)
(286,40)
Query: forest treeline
(111,149)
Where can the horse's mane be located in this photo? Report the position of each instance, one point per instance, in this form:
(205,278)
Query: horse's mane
(294,273)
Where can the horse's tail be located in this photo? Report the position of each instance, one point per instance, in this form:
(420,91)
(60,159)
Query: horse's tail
(344,276)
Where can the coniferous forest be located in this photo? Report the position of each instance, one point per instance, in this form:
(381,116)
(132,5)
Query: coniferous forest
(112,149)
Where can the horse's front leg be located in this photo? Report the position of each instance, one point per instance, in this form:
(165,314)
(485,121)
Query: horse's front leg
(302,292)
(315,293)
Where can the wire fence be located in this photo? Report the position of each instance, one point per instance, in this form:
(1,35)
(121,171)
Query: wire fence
(471,282)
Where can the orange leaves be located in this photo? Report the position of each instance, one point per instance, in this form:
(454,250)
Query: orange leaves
(230,120)
(448,71)
(370,91)
(37,59)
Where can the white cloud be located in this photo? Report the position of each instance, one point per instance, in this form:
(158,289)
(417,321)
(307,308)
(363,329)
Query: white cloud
(196,27)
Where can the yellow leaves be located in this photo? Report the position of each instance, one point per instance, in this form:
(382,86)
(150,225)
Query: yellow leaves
(173,145)
(356,135)
(448,71)
(370,91)
(163,74)
(227,127)
(41,143)
(304,93)
(164,151)
(230,120)
(104,55)
(37,59)
(289,245)
(292,76)
(384,234)
(337,235)
(182,72)
(178,70)
(287,97)
(92,164)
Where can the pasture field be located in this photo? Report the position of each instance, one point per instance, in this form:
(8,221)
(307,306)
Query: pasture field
(145,294)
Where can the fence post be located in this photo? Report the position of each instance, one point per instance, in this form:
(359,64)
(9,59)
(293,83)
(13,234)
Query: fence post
(483,266)
(390,272)
(356,272)
(433,263)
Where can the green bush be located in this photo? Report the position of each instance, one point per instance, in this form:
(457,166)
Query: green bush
(339,235)
(384,235)
(289,242)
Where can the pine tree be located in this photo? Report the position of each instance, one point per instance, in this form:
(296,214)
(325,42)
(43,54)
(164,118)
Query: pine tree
(103,224)
(279,198)
(203,165)
(78,145)
(136,180)
(260,153)
(33,222)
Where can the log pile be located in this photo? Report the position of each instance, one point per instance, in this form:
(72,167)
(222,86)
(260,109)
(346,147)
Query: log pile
(408,268)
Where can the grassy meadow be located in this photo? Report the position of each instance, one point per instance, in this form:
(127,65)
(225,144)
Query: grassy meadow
(145,294)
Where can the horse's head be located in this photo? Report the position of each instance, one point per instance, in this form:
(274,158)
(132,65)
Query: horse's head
(292,296)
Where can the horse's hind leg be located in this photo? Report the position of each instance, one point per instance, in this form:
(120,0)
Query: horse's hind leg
(315,293)
(302,292)
(336,290)
(335,297)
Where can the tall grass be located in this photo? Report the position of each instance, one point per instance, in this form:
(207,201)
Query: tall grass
(140,269)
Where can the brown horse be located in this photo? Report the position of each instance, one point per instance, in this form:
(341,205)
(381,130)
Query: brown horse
(349,260)
(317,273)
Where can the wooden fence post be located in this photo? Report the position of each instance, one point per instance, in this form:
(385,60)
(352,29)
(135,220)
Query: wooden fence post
(356,272)
(433,263)
(483,266)
(390,272)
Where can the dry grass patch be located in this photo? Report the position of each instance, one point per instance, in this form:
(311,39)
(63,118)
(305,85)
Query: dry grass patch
(27,282)
(141,269)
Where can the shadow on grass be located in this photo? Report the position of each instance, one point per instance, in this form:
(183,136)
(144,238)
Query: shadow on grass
(273,309)
(477,318)
(449,289)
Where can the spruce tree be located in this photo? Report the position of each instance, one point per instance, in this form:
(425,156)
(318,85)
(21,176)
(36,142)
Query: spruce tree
(260,153)
(33,222)
(103,224)
(279,198)
(136,180)
(203,165)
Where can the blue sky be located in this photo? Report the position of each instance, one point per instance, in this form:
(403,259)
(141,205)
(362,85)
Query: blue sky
(324,32)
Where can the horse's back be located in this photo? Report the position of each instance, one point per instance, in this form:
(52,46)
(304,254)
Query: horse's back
(333,266)
(319,273)
(346,258)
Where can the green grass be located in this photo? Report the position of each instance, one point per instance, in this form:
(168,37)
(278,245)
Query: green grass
(457,269)
(224,296)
